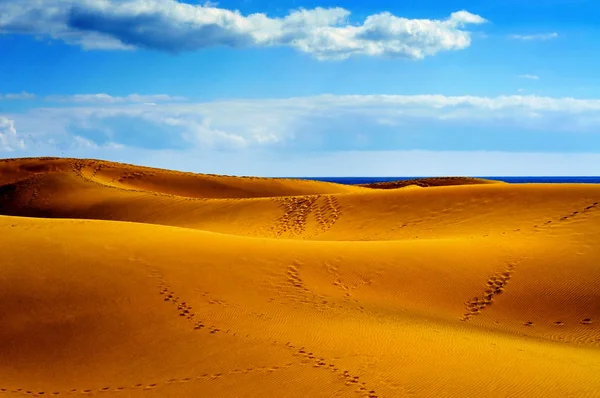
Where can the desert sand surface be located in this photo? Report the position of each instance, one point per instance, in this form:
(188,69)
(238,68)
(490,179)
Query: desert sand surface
(127,281)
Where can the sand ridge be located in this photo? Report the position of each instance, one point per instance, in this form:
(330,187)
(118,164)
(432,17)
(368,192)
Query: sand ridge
(152,289)
(430,182)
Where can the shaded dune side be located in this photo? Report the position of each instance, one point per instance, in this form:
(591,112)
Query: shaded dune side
(160,310)
(430,182)
(139,178)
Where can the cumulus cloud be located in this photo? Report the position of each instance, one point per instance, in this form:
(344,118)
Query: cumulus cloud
(173,26)
(17,96)
(109,99)
(9,140)
(536,36)
(530,77)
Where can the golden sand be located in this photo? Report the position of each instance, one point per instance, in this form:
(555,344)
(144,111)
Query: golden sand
(126,281)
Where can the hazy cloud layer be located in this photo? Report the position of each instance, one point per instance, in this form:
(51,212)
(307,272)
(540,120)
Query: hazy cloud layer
(536,36)
(109,99)
(172,26)
(327,122)
(17,96)
(530,77)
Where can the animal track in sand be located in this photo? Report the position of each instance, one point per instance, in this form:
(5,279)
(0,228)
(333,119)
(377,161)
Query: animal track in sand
(29,186)
(339,282)
(78,166)
(494,286)
(295,213)
(309,358)
(97,169)
(300,292)
(146,386)
(558,221)
(296,210)
(294,277)
(586,321)
(574,213)
(330,213)
(183,308)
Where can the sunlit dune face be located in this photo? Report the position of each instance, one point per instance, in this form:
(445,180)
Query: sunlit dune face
(130,281)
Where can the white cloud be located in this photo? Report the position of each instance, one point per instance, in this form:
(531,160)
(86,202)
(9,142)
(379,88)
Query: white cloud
(9,139)
(17,96)
(530,77)
(109,99)
(537,36)
(173,26)
(79,142)
(309,123)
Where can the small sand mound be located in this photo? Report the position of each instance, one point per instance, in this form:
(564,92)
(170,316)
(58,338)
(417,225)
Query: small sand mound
(430,182)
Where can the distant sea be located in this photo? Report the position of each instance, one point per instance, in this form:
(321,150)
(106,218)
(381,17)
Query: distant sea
(512,180)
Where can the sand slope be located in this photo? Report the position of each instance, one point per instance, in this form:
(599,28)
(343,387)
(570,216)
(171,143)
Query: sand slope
(480,290)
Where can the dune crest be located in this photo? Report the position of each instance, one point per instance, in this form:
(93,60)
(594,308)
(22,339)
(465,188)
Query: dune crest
(131,281)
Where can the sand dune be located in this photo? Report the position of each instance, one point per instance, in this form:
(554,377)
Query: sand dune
(168,182)
(176,284)
(430,182)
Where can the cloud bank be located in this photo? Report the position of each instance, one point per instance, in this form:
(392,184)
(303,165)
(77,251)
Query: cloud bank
(173,26)
(319,123)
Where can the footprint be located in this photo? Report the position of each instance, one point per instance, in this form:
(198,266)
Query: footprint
(528,323)
(586,321)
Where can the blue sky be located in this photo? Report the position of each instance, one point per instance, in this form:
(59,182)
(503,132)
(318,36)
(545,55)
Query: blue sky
(305,88)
